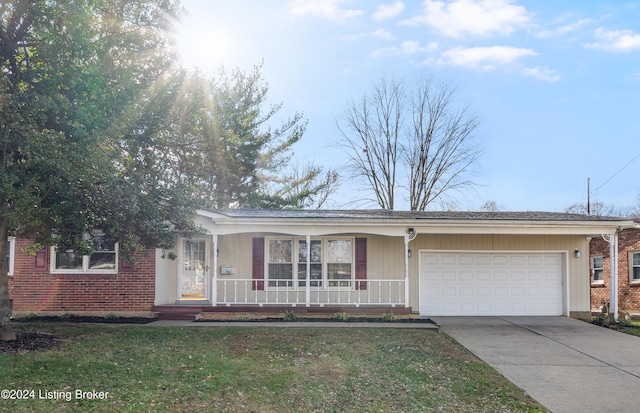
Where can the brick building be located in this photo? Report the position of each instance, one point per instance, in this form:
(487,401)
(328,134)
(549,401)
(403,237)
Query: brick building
(628,271)
(57,283)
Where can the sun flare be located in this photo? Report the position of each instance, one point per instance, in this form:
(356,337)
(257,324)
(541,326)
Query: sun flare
(202,46)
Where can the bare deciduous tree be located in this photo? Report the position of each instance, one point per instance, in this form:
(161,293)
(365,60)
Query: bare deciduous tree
(415,131)
(374,147)
(491,206)
(601,209)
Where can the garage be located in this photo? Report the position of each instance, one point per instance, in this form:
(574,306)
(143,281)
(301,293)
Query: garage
(491,283)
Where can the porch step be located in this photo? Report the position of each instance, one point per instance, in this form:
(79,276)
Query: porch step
(193,312)
(177,312)
(178,316)
(250,316)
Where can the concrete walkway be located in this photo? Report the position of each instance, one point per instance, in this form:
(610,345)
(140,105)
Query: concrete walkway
(565,364)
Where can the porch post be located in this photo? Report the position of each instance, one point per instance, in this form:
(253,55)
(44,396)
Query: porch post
(406,270)
(613,284)
(307,292)
(214,279)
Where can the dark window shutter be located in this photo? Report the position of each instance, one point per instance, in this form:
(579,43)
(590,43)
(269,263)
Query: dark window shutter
(125,266)
(361,263)
(41,259)
(258,264)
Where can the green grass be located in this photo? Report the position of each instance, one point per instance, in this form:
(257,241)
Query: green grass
(630,327)
(259,369)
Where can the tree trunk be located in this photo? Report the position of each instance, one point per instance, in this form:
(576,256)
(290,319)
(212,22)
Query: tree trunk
(6,331)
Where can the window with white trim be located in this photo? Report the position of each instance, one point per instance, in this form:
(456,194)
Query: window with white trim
(634,266)
(330,261)
(315,264)
(597,269)
(10,255)
(339,262)
(280,264)
(103,260)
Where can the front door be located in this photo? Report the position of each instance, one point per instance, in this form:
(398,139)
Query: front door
(194,269)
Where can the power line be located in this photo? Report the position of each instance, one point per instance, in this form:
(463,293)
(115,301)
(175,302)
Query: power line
(622,192)
(616,174)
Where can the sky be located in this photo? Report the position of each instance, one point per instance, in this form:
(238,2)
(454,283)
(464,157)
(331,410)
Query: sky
(555,84)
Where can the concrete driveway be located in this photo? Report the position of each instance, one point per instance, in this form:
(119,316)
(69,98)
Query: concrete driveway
(565,364)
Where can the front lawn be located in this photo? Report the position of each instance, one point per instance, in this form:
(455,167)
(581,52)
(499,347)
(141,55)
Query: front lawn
(254,369)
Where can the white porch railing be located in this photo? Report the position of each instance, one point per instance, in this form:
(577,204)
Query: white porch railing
(372,293)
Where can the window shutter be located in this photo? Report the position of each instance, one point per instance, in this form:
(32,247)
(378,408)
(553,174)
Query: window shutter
(125,266)
(257,270)
(361,263)
(41,259)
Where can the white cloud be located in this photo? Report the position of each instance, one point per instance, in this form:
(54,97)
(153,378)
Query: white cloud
(472,17)
(408,47)
(326,9)
(541,73)
(615,40)
(384,34)
(487,58)
(567,28)
(388,11)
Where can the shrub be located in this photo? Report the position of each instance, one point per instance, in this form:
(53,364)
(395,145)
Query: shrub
(290,316)
(340,316)
(388,317)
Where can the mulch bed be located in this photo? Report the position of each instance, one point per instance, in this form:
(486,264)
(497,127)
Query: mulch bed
(28,342)
(83,319)
(37,341)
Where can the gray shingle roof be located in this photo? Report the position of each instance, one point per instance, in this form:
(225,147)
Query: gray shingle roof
(417,215)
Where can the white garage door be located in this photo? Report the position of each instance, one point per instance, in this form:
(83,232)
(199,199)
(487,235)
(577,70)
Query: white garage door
(493,283)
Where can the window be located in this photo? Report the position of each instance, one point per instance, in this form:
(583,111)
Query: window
(597,269)
(339,254)
(103,260)
(10,255)
(634,266)
(330,262)
(280,265)
(315,278)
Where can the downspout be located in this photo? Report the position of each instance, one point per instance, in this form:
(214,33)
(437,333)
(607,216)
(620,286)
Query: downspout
(612,239)
(613,288)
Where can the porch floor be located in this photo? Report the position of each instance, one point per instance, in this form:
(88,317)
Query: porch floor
(207,312)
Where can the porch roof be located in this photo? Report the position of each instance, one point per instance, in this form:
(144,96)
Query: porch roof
(396,223)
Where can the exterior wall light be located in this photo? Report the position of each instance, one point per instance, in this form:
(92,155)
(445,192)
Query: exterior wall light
(577,253)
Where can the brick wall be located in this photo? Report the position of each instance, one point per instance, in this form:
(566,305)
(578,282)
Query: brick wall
(628,294)
(35,290)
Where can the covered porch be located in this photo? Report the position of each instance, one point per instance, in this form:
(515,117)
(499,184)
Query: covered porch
(301,266)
